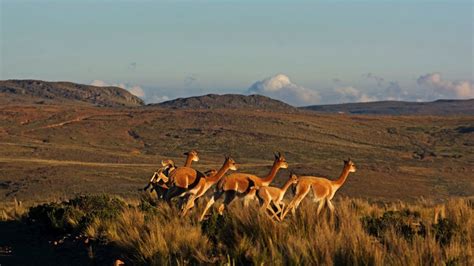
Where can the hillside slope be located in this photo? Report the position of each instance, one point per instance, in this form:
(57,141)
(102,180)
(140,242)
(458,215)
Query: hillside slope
(229,101)
(59,92)
(52,151)
(439,107)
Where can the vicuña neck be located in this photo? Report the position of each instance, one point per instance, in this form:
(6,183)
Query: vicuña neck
(189,161)
(269,178)
(219,174)
(342,178)
(286,186)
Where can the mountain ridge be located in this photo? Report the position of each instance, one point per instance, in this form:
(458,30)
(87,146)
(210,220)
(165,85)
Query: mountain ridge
(40,91)
(231,101)
(438,107)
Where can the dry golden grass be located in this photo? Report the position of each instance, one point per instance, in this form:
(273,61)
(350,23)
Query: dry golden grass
(153,239)
(156,235)
(12,210)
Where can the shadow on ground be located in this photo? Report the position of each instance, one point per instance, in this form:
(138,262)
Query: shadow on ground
(23,244)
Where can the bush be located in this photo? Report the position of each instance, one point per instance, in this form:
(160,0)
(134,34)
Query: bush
(445,230)
(75,214)
(54,217)
(406,223)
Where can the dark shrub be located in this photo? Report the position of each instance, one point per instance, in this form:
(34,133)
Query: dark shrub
(58,218)
(445,230)
(404,222)
(75,214)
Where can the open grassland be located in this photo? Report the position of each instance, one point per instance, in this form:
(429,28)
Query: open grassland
(100,229)
(410,201)
(58,151)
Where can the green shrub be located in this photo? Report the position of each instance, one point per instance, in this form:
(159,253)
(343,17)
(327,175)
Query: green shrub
(97,207)
(75,214)
(406,223)
(58,218)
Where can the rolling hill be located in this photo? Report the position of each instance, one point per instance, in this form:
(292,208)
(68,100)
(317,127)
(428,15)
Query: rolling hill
(38,91)
(229,101)
(439,107)
(58,151)
(86,138)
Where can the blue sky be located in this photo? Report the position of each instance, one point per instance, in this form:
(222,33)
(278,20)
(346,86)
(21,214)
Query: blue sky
(303,52)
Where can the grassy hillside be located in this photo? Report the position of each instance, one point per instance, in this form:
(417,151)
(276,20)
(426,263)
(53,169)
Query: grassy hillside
(57,151)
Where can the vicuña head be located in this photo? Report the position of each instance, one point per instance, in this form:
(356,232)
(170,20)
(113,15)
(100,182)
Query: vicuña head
(280,160)
(230,163)
(293,179)
(349,164)
(168,164)
(193,155)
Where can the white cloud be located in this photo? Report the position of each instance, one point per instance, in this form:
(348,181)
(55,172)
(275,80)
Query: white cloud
(99,83)
(351,94)
(133,89)
(461,89)
(393,92)
(159,99)
(281,87)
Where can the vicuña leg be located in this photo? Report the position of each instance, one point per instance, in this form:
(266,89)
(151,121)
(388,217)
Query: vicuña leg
(211,201)
(189,205)
(280,207)
(293,205)
(330,206)
(320,206)
(229,196)
(173,192)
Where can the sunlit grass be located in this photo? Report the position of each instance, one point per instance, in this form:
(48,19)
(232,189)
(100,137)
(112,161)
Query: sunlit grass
(360,233)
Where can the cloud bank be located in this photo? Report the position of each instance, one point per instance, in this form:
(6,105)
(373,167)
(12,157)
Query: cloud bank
(133,89)
(460,89)
(280,87)
(351,94)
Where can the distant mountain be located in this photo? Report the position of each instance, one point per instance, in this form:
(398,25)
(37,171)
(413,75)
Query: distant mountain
(439,107)
(50,92)
(231,101)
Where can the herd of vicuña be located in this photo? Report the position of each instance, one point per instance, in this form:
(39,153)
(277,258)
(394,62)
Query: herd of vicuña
(188,185)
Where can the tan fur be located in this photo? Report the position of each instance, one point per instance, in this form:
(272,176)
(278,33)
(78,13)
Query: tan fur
(159,179)
(275,195)
(192,156)
(323,189)
(239,183)
(183,176)
(204,184)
